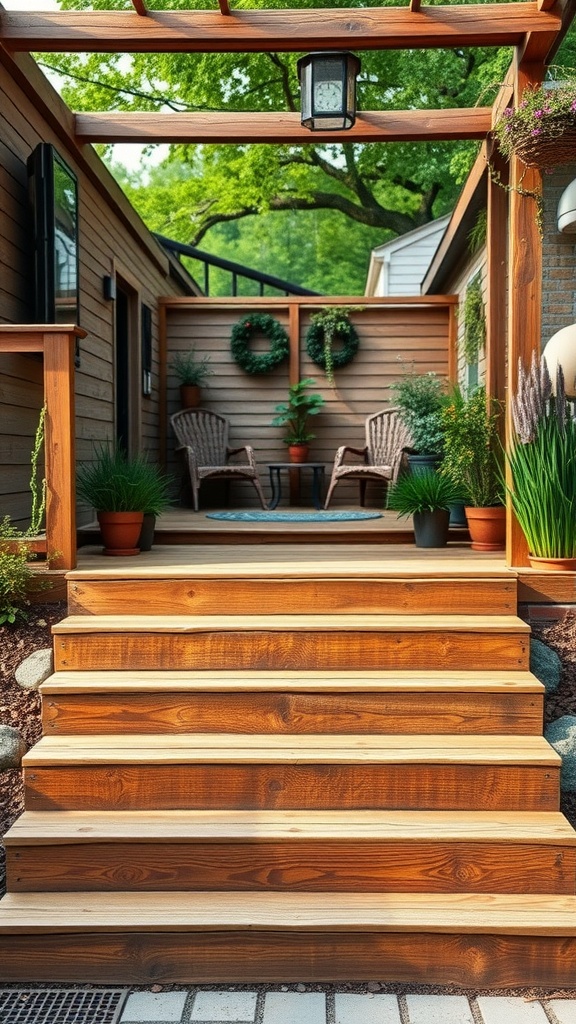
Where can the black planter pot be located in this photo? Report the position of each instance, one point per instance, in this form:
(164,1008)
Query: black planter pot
(431,528)
(147,534)
(458,516)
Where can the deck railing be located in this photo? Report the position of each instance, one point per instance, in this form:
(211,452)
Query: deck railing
(56,343)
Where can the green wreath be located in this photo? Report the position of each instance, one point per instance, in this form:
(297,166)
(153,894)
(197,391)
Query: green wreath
(335,360)
(244,331)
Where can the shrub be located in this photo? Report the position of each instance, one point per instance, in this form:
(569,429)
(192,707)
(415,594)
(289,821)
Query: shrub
(15,578)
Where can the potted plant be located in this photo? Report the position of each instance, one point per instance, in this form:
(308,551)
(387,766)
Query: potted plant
(541,129)
(427,497)
(192,371)
(419,398)
(294,415)
(473,460)
(120,488)
(542,463)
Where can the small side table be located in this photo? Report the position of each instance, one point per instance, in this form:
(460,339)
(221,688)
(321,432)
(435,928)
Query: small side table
(275,468)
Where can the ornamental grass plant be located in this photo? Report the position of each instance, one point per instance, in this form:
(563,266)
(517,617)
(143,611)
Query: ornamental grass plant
(472,450)
(190,369)
(116,482)
(542,463)
(428,491)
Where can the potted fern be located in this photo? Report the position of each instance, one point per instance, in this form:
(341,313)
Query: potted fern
(294,415)
(192,372)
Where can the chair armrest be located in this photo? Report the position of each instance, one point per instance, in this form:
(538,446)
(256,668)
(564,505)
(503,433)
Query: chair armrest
(250,457)
(345,450)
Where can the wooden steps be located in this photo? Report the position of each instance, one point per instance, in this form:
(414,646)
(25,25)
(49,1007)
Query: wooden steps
(337,702)
(324,851)
(291,641)
(472,940)
(341,778)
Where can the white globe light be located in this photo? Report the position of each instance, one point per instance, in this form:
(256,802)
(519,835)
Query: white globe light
(560,350)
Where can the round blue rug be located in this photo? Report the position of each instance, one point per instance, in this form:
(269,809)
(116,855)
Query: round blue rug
(292,517)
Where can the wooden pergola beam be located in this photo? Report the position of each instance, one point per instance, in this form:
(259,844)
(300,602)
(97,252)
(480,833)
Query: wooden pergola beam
(281,127)
(276,30)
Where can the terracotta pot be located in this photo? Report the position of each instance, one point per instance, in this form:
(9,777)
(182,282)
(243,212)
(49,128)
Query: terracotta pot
(120,532)
(553,564)
(298,452)
(190,396)
(487,528)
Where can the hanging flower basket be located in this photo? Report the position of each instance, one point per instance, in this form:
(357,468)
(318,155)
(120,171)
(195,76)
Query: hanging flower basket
(541,130)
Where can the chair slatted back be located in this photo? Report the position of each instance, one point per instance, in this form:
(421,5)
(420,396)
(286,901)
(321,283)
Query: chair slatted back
(206,432)
(386,435)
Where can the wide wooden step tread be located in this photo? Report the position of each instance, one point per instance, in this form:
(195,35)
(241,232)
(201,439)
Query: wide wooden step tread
(37,828)
(250,748)
(309,681)
(83,624)
(505,914)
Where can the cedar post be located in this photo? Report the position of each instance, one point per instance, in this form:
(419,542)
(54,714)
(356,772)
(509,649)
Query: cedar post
(59,447)
(525,287)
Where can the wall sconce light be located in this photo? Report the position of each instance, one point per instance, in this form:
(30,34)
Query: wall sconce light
(109,287)
(567,209)
(328,90)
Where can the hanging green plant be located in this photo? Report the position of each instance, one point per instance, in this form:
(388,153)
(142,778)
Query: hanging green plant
(474,321)
(245,330)
(332,324)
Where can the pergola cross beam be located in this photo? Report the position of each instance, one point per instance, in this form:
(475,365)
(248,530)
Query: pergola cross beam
(506,24)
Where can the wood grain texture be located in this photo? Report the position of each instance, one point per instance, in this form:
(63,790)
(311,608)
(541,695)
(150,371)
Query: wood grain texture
(293,865)
(280,126)
(259,31)
(196,596)
(205,711)
(292,650)
(307,786)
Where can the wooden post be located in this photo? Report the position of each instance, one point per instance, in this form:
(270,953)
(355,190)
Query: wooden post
(525,287)
(60,448)
(453,343)
(496,248)
(294,335)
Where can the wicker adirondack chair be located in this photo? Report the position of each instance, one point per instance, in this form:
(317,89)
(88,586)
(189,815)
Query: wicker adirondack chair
(203,439)
(386,440)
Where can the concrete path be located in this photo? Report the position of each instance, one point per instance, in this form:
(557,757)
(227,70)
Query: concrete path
(285,1006)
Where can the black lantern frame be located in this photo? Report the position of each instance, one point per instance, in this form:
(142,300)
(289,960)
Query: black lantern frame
(328,90)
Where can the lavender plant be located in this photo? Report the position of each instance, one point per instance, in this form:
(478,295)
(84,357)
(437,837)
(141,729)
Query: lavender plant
(542,462)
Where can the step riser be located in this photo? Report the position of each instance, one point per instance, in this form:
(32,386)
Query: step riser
(306,866)
(322,650)
(173,712)
(292,596)
(284,787)
(277,955)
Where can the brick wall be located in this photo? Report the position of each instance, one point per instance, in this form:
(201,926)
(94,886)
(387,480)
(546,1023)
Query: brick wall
(559,259)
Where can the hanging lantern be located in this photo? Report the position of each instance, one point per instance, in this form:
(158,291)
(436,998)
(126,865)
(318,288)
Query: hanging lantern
(328,90)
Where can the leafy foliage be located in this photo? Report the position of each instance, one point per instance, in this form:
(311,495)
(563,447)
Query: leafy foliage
(294,413)
(472,451)
(420,397)
(474,320)
(15,578)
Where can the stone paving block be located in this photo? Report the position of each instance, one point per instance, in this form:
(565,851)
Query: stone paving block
(160,1007)
(563,1009)
(367,1009)
(294,1008)
(430,1009)
(510,1010)
(225,1006)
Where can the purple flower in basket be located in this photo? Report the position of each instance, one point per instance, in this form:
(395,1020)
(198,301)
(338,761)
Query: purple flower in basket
(536,131)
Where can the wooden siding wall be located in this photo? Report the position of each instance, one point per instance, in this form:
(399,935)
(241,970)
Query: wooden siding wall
(406,334)
(106,247)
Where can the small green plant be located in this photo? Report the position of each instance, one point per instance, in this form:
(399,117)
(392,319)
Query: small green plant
(473,453)
(294,413)
(15,578)
(420,398)
(542,462)
(190,369)
(474,321)
(37,490)
(116,482)
(427,491)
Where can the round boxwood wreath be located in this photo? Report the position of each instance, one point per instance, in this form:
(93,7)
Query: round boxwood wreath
(244,331)
(316,342)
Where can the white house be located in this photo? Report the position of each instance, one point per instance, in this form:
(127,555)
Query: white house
(398,267)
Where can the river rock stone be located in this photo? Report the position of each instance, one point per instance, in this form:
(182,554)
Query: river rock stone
(12,747)
(35,669)
(561,734)
(545,664)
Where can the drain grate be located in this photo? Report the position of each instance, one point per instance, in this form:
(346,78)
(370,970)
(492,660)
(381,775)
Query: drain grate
(65,1006)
